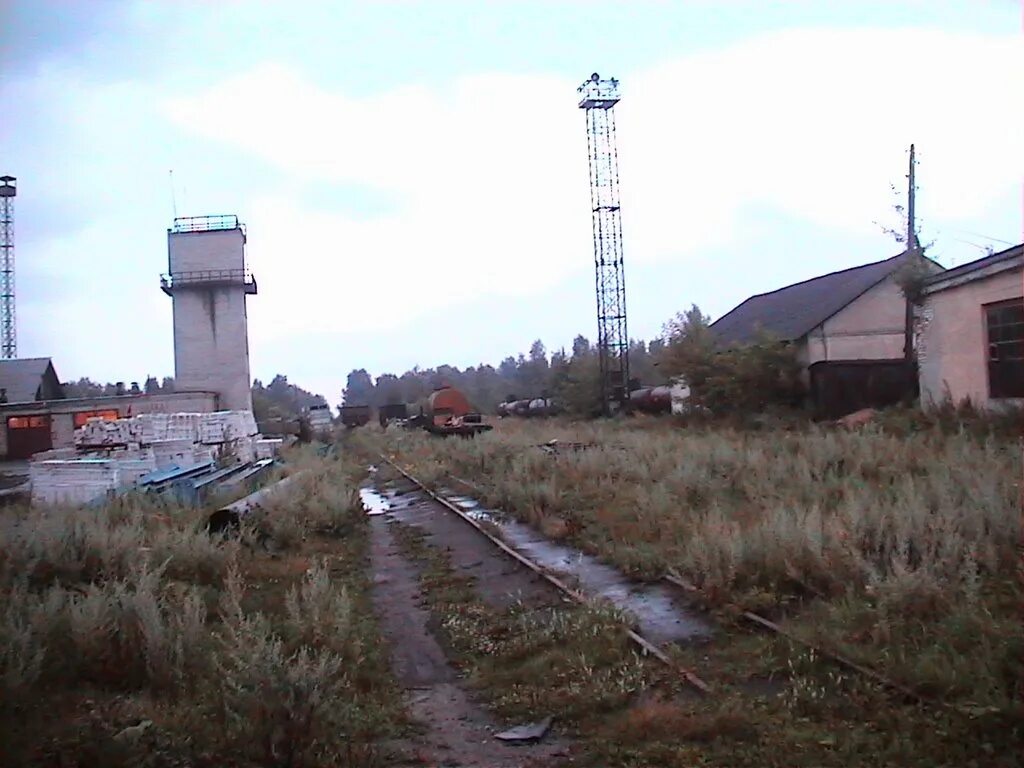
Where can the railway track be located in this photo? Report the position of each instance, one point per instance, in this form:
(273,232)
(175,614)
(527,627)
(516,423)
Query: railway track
(648,647)
(690,589)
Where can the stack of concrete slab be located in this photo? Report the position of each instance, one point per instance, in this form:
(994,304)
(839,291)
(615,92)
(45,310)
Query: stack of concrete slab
(150,428)
(77,481)
(99,433)
(126,449)
(241,450)
(267,448)
(225,426)
(180,453)
(56,453)
(133,464)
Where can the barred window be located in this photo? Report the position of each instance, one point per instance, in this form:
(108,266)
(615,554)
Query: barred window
(1005,326)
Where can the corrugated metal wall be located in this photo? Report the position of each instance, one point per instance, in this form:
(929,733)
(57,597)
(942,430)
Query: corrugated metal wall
(839,387)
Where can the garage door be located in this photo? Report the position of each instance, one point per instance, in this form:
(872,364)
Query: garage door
(27,435)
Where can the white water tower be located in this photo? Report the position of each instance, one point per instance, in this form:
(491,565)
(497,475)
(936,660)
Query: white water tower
(208,282)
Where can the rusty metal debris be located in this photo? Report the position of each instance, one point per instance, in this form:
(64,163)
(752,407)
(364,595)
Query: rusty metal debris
(228,518)
(528,732)
(133,733)
(555,447)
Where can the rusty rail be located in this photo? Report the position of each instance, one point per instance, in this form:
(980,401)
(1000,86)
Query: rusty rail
(766,624)
(833,656)
(646,645)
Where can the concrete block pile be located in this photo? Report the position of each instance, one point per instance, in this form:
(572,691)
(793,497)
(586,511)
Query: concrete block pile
(114,454)
(73,481)
(268,447)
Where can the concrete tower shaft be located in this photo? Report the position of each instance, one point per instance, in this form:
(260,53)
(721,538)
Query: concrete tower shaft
(208,282)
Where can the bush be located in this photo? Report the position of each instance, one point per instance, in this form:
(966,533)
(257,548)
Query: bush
(288,698)
(749,378)
(319,613)
(73,546)
(22,649)
(281,705)
(126,633)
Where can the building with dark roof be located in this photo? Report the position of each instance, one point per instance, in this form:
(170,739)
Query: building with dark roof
(970,332)
(35,416)
(28,380)
(848,328)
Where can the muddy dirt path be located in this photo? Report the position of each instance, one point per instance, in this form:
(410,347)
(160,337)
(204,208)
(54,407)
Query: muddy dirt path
(498,580)
(456,732)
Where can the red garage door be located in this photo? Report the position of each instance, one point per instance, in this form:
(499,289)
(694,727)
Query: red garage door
(27,435)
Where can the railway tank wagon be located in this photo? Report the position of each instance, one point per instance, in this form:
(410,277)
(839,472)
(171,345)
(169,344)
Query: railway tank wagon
(651,400)
(528,408)
(446,403)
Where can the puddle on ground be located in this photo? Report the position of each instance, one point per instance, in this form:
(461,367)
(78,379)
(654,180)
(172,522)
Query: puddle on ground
(373,502)
(660,617)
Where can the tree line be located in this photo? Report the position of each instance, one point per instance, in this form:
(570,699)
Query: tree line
(750,378)
(570,377)
(280,399)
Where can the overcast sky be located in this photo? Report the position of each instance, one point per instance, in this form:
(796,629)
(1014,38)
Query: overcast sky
(413,175)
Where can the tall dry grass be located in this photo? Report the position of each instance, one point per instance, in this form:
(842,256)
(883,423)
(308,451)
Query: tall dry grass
(906,540)
(138,598)
(825,509)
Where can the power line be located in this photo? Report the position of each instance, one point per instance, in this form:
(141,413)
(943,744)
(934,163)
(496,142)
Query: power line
(978,234)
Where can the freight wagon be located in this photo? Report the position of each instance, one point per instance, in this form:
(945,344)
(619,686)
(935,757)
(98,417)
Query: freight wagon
(355,415)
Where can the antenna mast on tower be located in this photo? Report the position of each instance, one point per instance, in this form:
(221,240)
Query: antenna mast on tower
(8,329)
(598,98)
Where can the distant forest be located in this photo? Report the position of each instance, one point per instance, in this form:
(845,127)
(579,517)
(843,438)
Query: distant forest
(277,400)
(570,377)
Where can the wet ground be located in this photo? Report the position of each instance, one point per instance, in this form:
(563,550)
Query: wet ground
(661,616)
(498,579)
(13,481)
(455,731)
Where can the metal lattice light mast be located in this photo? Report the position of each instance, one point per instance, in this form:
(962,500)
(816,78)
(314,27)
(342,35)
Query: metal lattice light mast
(8,330)
(598,98)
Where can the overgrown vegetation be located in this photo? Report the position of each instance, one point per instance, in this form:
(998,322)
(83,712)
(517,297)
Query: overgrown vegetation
(571,661)
(569,376)
(744,379)
(895,545)
(129,636)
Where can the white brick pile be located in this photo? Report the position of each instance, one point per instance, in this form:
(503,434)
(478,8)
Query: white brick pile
(268,447)
(224,426)
(169,453)
(134,464)
(140,445)
(154,427)
(98,433)
(150,428)
(77,481)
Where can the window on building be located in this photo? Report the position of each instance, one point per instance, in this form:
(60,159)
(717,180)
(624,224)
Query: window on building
(83,416)
(1005,325)
(28,422)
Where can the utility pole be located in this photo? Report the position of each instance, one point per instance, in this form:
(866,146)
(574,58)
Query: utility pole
(911,234)
(910,262)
